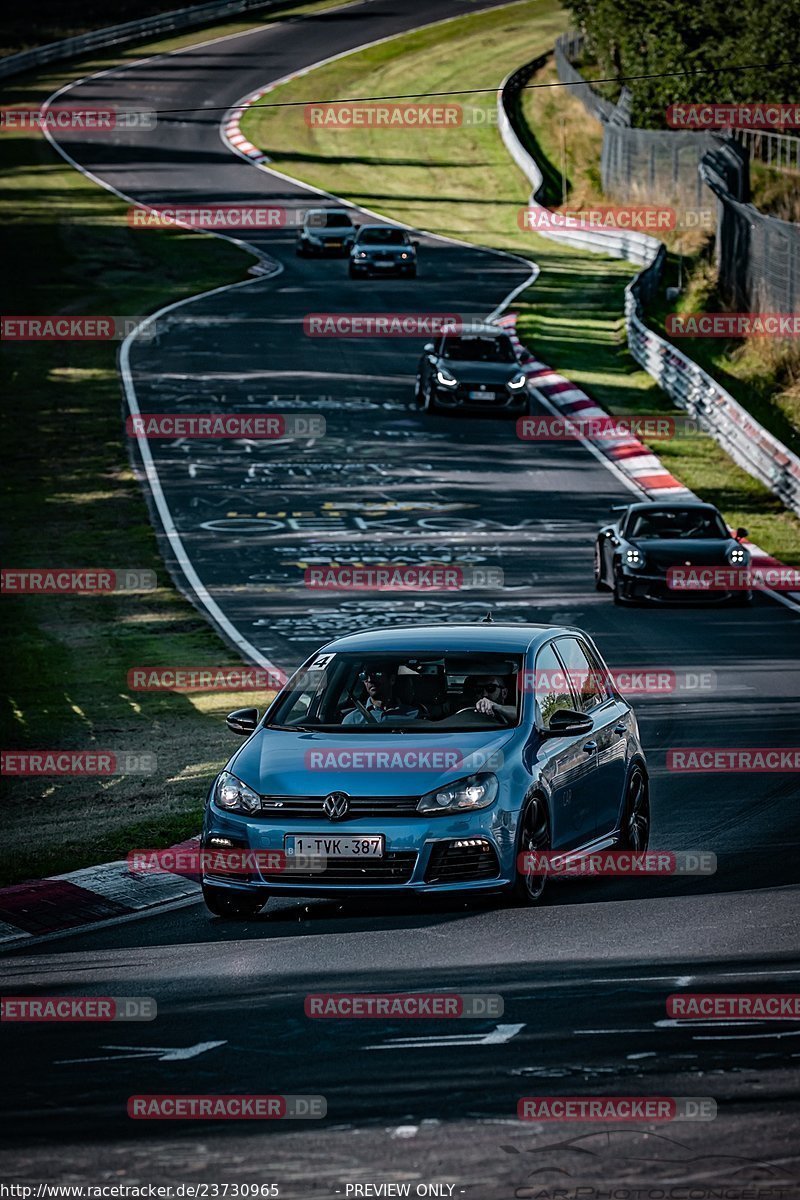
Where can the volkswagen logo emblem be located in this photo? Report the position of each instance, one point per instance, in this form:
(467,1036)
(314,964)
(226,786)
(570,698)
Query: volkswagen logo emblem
(336,805)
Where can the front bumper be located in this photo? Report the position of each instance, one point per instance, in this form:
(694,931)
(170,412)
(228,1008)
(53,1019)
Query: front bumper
(327,247)
(494,398)
(369,266)
(654,588)
(422,854)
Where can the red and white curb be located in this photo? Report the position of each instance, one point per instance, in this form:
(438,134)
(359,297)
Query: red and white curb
(632,458)
(80,900)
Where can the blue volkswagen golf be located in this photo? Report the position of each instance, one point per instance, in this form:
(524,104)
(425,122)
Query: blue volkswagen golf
(426,760)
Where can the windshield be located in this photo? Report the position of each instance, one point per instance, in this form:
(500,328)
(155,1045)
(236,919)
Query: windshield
(366,693)
(478,349)
(382,237)
(677,523)
(328,220)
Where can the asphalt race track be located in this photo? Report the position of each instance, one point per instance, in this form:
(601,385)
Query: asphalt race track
(585,978)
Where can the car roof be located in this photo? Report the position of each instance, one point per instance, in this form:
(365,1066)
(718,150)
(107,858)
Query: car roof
(330,208)
(477,330)
(383,225)
(481,636)
(671,505)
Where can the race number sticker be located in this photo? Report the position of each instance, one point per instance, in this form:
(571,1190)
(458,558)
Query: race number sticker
(321,662)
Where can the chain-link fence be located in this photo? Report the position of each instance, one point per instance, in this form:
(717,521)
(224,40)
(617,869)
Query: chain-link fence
(758,257)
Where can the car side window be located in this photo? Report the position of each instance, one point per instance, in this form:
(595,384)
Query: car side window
(551,686)
(587,679)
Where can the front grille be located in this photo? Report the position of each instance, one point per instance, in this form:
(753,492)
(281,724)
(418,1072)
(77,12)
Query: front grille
(395,867)
(457,862)
(310,807)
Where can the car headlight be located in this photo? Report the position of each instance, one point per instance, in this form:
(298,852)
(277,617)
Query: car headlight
(234,796)
(444,377)
(361,254)
(517,382)
(478,791)
(404,255)
(738,556)
(634,557)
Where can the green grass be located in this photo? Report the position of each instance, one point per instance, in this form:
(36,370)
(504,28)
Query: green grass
(70,499)
(462,183)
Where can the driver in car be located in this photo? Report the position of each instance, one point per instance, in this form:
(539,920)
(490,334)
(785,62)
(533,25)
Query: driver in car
(489,694)
(382,703)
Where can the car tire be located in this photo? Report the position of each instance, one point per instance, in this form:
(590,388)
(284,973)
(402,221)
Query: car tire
(235,906)
(352,272)
(635,829)
(600,584)
(418,394)
(412,272)
(534,834)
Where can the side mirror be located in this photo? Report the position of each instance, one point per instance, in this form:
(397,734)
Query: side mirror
(243,721)
(740,533)
(415,244)
(567,721)
(525,356)
(429,347)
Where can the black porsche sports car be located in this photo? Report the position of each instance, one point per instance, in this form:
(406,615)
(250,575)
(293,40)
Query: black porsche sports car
(479,369)
(635,553)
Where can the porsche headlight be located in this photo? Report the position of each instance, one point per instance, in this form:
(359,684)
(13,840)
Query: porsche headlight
(738,556)
(634,557)
(517,382)
(477,791)
(234,796)
(444,377)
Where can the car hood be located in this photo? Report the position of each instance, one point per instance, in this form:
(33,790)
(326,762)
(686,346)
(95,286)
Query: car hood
(283,763)
(480,372)
(384,251)
(696,552)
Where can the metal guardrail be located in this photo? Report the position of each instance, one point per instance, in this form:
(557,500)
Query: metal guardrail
(747,442)
(131,31)
(781,151)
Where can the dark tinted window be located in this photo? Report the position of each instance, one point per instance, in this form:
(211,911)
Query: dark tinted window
(676,523)
(587,679)
(329,220)
(478,349)
(383,237)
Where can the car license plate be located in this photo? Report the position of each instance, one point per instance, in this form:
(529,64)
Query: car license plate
(328,845)
(384,262)
(335,244)
(481,395)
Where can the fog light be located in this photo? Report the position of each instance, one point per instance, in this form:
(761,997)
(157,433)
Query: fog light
(472,843)
(220,843)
